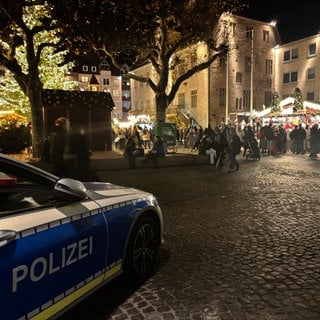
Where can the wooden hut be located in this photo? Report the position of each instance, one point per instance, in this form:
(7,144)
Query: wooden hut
(87,110)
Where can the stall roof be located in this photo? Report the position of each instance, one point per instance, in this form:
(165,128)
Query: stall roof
(56,98)
(289,102)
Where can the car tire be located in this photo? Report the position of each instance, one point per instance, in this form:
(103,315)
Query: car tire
(142,250)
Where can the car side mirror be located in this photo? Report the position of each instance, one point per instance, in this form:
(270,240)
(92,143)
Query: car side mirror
(70,189)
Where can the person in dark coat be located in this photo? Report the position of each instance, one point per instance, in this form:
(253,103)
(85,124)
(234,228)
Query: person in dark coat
(234,149)
(300,138)
(129,150)
(80,156)
(314,141)
(58,142)
(158,151)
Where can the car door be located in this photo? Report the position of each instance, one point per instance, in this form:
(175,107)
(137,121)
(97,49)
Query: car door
(50,255)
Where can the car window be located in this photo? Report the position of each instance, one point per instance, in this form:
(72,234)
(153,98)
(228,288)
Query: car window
(19,192)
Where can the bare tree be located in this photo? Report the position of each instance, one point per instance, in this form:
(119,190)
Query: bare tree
(134,33)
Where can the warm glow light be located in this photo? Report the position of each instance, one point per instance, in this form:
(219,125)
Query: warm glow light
(273,23)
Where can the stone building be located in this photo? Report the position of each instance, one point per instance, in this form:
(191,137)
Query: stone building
(297,66)
(240,83)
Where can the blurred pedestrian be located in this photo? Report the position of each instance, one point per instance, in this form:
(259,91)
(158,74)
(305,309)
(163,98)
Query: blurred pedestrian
(80,155)
(129,152)
(158,151)
(234,149)
(58,143)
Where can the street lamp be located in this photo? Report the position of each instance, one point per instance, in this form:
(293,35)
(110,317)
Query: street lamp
(227,88)
(251,78)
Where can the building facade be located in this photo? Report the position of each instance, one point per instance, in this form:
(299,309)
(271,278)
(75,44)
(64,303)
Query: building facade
(242,83)
(100,76)
(297,66)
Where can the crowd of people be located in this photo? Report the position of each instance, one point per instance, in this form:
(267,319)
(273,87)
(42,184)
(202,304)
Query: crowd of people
(68,152)
(219,144)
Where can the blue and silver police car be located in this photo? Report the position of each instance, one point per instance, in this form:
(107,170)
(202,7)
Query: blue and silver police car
(61,239)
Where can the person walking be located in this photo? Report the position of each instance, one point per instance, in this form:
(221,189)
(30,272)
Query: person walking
(270,137)
(314,141)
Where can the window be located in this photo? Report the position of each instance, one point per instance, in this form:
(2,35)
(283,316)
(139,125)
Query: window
(93,69)
(181,100)
(106,81)
(238,78)
(85,68)
(269,66)
(290,55)
(21,190)
(267,98)
(104,66)
(294,54)
(294,76)
(115,93)
(222,97)
(290,77)
(248,64)
(266,36)
(311,73)
(246,98)
(312,49)
(249,33)
(194,98)
(238,103)
(286,56)
(286,78)
(84,79)
(310,96)
(116,82)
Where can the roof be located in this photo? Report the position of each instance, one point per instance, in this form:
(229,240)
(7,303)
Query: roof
(94,80)
(289,102)
(88,99)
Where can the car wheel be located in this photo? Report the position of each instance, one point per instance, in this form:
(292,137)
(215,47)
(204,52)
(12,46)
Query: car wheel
(142,250)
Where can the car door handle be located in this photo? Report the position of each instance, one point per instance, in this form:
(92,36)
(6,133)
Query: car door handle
(6,236)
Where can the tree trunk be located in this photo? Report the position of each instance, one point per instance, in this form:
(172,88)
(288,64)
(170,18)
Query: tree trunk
(161,108)
(37,122)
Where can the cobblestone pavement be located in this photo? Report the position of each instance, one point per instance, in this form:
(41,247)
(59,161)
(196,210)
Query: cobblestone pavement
(241,246)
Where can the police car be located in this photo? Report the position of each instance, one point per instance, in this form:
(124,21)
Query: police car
(61,239)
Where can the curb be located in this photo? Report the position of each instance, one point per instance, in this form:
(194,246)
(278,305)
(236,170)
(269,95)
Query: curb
(122,163)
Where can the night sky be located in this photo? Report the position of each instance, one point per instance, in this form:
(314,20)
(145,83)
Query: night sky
(294,20)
